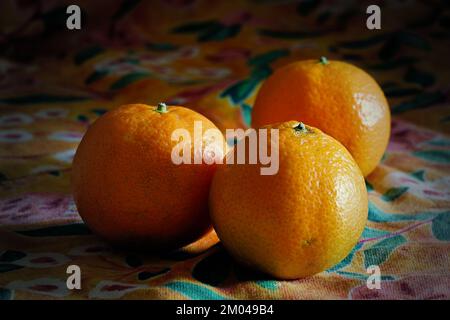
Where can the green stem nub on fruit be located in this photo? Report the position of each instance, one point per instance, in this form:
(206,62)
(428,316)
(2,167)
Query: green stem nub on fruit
(161,108)
(300,127)
(323,60)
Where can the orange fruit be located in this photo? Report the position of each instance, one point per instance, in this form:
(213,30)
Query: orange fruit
(336,97)
(300,221)
(126,187)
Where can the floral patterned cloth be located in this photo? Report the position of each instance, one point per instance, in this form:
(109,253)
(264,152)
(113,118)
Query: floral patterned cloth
(212,56)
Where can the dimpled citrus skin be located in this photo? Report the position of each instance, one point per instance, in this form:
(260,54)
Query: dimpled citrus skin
(336,97)
(300,221)
(126,187)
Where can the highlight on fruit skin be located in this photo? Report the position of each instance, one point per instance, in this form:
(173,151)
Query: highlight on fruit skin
(336,97)
(128,190)
(299,222)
